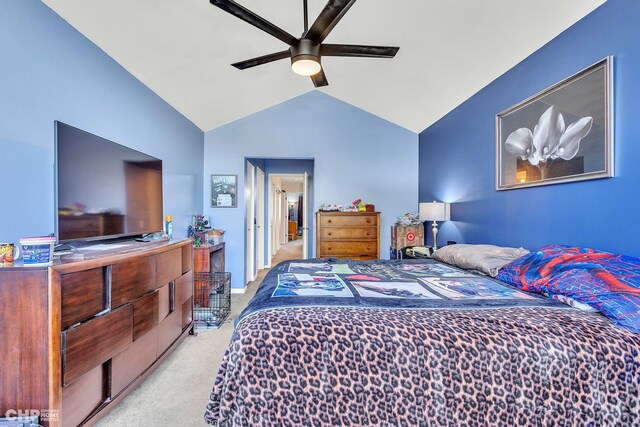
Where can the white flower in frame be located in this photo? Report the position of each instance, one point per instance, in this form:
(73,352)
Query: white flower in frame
(549,139)
(570,139)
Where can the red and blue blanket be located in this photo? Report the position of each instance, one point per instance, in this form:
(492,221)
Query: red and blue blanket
(609,283)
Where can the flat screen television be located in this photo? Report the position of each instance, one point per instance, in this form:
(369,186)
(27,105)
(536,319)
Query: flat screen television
(104,190)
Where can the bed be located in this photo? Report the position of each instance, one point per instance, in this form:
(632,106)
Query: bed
(419,343)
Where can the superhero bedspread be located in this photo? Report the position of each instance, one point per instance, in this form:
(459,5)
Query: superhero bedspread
(419,343)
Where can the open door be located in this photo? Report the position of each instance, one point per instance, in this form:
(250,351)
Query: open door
(284,218)
(250,224)
(272,221)
(305,216)
(259,219)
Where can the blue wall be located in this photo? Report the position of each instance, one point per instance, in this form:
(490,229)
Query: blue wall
(50,72)
(356,154)
(457,153)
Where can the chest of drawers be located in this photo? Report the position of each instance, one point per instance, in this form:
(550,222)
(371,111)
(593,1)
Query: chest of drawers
(353,235)
(80,335)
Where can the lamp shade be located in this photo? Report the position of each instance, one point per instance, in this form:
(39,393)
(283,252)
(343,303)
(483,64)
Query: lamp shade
(435,211)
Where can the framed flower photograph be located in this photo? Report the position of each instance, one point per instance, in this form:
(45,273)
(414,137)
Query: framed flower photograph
(224,191)
(561,134)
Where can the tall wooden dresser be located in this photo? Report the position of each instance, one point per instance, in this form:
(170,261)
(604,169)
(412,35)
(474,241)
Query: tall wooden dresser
(354,235)
(79,335)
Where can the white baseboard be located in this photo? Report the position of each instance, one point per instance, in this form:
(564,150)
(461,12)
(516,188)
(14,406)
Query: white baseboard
(239,290)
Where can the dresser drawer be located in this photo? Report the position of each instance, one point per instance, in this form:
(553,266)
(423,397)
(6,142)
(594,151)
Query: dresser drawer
(187,258)
(349,233)
(164,302)
(132,279)
(82,295)
(169,330)
(348,220)
(168,266)
(145,314)
(94,342)
(129,364)
(187,312)
(184,287)
(328,249)
(84,396)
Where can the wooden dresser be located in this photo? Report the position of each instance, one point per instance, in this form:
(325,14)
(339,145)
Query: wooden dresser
(79,335)
(354,235)
(208,258)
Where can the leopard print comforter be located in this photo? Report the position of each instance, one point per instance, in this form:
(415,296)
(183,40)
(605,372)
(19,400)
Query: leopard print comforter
(345,366)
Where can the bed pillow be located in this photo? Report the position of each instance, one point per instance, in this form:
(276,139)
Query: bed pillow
(607,282)
(485,259)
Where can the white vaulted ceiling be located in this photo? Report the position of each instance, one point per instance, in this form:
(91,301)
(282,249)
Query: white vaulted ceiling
(449,49)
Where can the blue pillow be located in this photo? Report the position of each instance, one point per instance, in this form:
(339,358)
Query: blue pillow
(607,282)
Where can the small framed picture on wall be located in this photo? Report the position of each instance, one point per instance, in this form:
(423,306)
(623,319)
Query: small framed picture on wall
(224,191)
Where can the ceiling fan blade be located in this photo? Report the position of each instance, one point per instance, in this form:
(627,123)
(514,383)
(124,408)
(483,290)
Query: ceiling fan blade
(242,65)
(358,50)
(328,18)
(246,15)
(320,79)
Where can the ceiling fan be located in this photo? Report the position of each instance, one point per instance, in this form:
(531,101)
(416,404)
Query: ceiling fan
(305,52)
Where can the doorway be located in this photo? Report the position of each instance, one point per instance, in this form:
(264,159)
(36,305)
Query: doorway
(278,194)
(288,228)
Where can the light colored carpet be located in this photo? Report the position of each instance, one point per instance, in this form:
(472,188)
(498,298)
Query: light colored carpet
(177,393)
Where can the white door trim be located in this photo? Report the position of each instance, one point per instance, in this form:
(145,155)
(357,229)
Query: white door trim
(305,216)
(260,220)
(250,224)
(270,211)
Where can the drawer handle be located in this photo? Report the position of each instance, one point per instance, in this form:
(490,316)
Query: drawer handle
(329,249)
(329,234)
(368,248)
(368,233)
(329,221)
(368,220)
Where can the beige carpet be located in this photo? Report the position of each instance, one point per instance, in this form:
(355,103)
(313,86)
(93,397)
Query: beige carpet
(177,393)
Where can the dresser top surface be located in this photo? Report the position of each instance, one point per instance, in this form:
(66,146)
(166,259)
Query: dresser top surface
(346,213)
(99,255)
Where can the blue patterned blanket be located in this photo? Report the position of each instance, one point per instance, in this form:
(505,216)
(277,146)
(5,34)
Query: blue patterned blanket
(407,284)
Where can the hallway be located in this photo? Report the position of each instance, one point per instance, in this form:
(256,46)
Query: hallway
(290,250)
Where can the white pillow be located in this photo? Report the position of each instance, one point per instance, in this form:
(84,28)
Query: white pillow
(485,259)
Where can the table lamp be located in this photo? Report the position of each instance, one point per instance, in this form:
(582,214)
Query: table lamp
(435,211)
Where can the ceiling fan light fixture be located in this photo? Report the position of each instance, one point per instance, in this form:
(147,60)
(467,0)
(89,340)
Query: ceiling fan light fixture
(305,58)
(306,65)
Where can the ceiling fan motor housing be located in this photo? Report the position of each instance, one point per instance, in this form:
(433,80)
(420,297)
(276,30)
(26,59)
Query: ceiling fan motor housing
(306,49)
